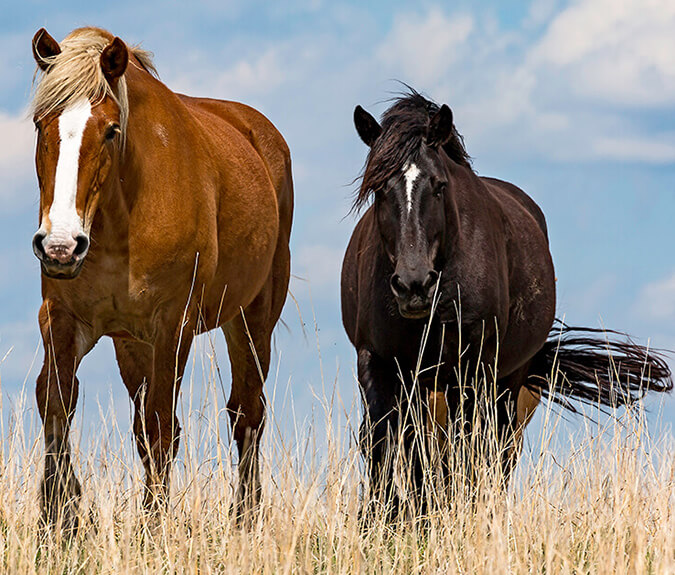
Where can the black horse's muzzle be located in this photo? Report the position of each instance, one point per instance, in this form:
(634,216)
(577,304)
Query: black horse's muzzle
(414,296)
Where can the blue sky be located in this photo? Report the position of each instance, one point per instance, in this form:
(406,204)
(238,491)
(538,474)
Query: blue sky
(572,101)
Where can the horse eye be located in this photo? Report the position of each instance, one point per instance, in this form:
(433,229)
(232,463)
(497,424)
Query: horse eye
(439,189)
(111,131)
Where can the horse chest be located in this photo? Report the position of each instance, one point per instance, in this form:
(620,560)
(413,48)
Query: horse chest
(111,313)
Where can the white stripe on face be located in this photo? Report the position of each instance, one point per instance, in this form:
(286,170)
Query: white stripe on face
(65,223)
(410,173)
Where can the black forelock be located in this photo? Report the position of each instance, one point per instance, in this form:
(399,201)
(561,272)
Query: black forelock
(404,129)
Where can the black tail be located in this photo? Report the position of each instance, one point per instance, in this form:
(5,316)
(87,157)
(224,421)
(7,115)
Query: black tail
(597,367)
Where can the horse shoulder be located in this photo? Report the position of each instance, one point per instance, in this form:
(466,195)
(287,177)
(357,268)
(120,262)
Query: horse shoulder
(349,281)
(358,278)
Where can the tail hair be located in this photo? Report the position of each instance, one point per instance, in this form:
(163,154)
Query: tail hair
(597,366)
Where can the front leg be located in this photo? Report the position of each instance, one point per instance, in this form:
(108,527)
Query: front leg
(66,341)
(156,425)
(381,389)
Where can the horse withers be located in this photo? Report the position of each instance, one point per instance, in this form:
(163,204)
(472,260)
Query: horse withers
(448,289)
(161,216)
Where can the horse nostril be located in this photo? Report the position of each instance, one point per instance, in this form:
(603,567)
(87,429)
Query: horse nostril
(430,282)
(82,245)
(38,247)
(397,286)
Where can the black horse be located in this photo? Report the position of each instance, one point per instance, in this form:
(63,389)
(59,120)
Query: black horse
(476,250)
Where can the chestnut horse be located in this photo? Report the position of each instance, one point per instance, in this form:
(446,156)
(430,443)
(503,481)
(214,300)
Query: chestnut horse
(161,216)
(479,245)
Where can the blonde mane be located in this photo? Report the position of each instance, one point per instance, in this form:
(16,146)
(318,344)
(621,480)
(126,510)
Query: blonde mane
(76,73)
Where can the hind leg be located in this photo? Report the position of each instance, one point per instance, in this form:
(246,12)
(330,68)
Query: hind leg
(437,431)
(158,426)
(515,408)
(248,338)
(248,344)
(527,402)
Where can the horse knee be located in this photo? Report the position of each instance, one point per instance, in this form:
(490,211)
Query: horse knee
(56,397)
(157,437)
(246,416)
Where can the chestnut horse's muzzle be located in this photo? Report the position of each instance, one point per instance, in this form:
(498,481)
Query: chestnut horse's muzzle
(62,258)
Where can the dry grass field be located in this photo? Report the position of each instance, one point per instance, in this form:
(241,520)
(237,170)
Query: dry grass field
(604,503)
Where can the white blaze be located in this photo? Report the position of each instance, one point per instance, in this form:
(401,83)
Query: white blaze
(410,173)
(65,223)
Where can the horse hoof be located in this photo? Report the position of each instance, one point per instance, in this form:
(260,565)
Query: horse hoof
(60,504)
(246,510)
(63,519)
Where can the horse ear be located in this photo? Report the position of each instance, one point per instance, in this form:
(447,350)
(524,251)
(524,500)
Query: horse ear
(367,127)
(44,48)
(440,127)
(114,60)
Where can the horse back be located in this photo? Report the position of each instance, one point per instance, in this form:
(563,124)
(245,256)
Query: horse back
(263,136)
(512,191)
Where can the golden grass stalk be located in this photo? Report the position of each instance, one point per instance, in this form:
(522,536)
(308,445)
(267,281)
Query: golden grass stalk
(603,504)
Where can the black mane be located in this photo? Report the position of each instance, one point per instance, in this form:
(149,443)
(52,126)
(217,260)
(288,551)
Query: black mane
(404,128)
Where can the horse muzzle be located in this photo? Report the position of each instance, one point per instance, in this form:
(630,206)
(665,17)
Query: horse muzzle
(416,308)
(60,258)
(414,296)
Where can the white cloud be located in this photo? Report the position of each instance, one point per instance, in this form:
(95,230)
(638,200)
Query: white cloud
(17,142)
(261,75)
(562,97)
(649,150)
(657,300)
(247,78)
(619,51)
(540,12)
(422,47)
(570,95)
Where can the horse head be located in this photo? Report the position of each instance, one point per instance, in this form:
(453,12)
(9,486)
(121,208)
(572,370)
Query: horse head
(79,119)
(407,171)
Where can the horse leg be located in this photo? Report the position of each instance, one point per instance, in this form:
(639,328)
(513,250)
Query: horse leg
(248,345)
(527,402)
(135,359)
(515,408)
(156,426)
(65,343)
(437,432)
(248,338)
(381,390)
(437,418)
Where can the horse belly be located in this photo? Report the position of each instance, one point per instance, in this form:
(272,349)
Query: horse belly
(246,250)
(531,314)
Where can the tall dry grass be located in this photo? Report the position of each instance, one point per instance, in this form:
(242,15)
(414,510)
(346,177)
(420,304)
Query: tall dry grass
(604,504)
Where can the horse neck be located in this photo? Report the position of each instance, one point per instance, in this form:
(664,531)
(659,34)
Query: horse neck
(111,223)
(468,205)
(150,127)
(131,168)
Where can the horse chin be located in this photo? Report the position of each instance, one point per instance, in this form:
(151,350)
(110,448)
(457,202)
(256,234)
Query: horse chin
(58,271)
(417,312)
